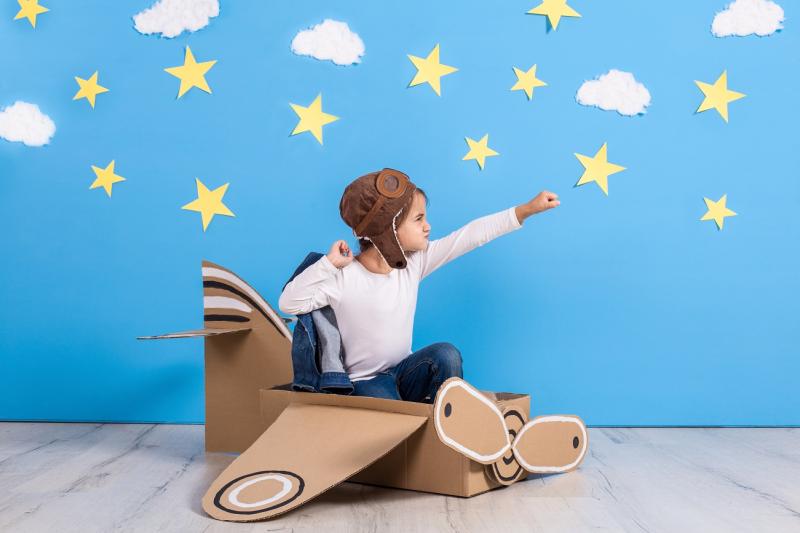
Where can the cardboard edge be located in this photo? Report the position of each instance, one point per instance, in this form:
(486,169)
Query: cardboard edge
(361,402)
(205,332)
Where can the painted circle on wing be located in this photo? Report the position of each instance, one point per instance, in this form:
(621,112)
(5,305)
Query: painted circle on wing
(258,492)
(507,470)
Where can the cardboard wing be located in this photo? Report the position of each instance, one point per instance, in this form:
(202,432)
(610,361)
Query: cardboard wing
(230,305)
(247,348)
(206,332)
(306,451)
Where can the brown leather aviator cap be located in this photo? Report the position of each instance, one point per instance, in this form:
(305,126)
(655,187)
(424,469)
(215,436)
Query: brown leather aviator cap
(371,204)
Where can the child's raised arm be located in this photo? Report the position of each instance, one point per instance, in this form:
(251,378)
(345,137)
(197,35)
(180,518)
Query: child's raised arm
(480,231)
(317,285)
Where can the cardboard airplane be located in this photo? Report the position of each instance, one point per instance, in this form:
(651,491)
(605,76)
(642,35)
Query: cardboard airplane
(296,445)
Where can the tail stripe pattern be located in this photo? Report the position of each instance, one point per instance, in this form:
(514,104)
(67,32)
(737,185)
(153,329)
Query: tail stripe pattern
(238,287)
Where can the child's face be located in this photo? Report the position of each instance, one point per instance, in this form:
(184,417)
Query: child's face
(413,232)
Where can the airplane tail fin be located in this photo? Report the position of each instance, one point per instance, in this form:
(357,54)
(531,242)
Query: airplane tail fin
(247,348)
(230,302)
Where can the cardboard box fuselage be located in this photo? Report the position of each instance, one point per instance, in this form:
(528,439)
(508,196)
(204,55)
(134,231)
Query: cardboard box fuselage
(248,365)
(246,390)
(421,462)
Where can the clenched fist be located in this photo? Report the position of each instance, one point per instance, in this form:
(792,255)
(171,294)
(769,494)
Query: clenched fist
(542,202)
(340,254)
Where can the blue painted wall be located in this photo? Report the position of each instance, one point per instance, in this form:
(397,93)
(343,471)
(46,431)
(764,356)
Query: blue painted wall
(624,309)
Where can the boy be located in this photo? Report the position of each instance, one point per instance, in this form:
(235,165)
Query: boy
(374,294)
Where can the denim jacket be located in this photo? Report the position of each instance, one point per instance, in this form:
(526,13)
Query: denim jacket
(317,349)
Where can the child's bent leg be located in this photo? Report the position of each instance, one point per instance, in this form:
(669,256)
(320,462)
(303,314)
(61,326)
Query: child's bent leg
(381,386)
(421,374)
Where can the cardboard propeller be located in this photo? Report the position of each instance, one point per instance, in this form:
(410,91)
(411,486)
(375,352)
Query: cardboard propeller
(471,424)
(507,470)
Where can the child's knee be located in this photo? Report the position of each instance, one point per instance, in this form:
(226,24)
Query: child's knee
(448,359)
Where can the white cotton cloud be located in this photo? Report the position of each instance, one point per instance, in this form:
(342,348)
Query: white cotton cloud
(615,91)
(170,18)
(331,40)
(746,17)
(24,122)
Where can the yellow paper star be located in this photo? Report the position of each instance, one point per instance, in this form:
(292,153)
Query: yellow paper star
(191,73)
(527,81)
(717,211)
(554,10)
(29,9)
(312,118)
(105,178)
(209,203)
(430,70)
(479,150)
(598,168)
(718,96)
(89,89)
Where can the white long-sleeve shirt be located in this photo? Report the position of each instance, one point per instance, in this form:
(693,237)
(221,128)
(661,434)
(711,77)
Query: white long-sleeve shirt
(375,312)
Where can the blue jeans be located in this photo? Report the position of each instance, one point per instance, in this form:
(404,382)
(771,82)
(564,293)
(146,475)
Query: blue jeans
(417,377)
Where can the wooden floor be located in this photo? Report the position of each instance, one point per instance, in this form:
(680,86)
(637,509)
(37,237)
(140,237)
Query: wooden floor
(131,477)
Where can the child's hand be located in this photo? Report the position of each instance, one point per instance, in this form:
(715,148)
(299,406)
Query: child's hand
(544,200)
(340,254)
